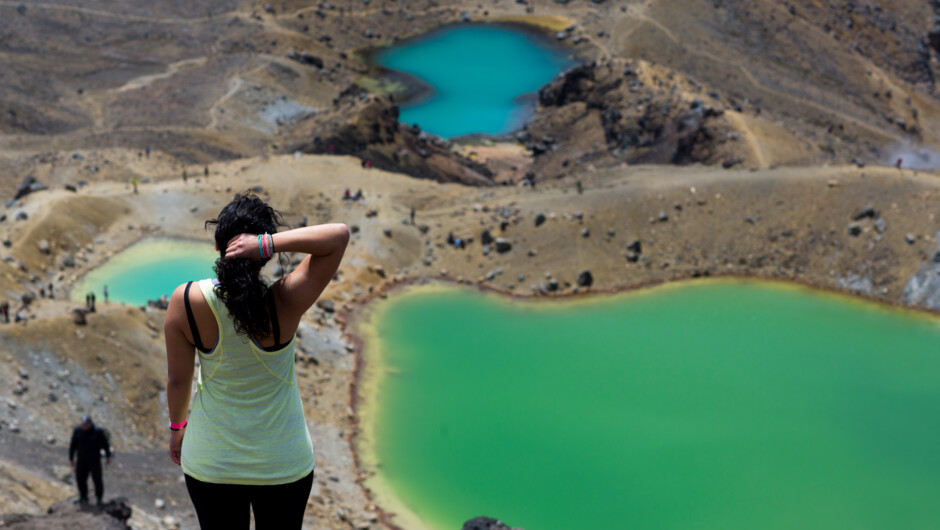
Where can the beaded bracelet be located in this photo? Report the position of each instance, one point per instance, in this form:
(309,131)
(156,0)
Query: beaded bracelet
(266,245)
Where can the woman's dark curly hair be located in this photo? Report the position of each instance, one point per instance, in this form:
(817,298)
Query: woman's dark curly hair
(241,287)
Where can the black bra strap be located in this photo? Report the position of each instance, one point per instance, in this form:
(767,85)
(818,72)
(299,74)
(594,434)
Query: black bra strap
(274,325)
(192,320)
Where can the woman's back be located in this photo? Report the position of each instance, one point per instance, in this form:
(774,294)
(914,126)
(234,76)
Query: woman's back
(246,442)
(247,422)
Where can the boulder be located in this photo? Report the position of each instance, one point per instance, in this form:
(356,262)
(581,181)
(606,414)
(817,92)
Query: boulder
(585,279)
(78,317)
(27,186)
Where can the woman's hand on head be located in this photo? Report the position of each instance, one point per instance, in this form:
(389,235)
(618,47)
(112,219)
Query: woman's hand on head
(243,246)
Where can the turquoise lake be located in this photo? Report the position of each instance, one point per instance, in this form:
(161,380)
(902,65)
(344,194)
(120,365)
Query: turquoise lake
(480,75)
(706,405)
(147,270)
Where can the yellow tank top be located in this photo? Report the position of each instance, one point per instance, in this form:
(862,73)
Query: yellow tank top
(247,422)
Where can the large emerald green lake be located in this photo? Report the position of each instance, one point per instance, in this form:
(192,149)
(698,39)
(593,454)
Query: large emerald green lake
(482,77)
(706,405)
(148,270)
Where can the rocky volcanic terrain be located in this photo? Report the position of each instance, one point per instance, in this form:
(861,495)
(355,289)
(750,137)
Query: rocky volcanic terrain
(697,138)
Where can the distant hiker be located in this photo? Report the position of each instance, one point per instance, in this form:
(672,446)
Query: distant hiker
(248,447)
(105,292)
(51,290)
(5,311)
(347,195)
(205,171)
(134,182)
(450,238)
(90,302)
(148,151)
(184,176)
(412,216)
(358,195)
(42,291)
(899,162)
(88,441)
(580,187)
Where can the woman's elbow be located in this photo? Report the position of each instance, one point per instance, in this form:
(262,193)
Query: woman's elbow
(342,236)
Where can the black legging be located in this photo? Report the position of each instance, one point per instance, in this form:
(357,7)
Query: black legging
(225,506)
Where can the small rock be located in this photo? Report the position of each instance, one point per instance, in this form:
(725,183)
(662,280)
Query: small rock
(855,229)
(880,225)
(635,246)
(539,219)
(23,373)
(663,216)
(387,232)
(159,503)
(586,232)
(910,238)
(868,211)
(326,305)
(66,259)
(44,246)
(502,245)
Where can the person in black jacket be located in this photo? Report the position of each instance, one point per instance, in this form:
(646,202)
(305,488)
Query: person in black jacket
(87,442)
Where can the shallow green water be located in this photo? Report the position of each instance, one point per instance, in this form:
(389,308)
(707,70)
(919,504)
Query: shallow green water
(478,73)
(708,405)
(147,270)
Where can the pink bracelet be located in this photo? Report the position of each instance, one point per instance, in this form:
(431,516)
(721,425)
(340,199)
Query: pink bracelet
(178,426)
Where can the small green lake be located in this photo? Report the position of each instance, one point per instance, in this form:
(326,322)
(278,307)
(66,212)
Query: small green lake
(707,405)
(481,77)
(148,270)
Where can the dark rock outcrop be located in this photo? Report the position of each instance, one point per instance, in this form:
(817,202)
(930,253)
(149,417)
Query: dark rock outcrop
(64,515)
(367,127)
(636,121)
(486,523)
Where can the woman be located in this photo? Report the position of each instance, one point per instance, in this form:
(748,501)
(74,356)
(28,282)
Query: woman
(246,443)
